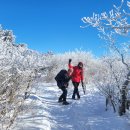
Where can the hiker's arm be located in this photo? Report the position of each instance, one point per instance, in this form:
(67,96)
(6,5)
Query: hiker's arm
(69,64)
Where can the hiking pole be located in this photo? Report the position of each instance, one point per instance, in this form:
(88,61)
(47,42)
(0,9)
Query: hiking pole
(84,88)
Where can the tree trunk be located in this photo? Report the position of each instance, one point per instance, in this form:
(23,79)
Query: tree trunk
(123,92)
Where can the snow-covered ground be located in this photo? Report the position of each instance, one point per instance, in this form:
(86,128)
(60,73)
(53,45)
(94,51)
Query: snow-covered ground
(43,112)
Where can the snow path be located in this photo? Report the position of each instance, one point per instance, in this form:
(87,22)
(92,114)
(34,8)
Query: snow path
(88,113)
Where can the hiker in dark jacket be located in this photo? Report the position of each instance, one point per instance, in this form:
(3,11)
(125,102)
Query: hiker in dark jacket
(63,78)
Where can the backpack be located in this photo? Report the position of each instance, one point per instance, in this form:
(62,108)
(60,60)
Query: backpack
(61,75)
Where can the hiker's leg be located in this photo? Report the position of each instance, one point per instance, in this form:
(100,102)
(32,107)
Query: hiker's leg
(75,90)
(64,94)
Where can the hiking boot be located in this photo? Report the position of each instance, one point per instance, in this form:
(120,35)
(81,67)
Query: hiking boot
(60,100)
(73,97)
(78,98)
(65,103)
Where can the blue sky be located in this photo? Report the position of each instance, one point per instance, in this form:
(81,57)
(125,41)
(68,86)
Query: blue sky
(54,25)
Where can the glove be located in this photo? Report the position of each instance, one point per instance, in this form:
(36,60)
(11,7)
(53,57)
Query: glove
(70,61)
(65,85)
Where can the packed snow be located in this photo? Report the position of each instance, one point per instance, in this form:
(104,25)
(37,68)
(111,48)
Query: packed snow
(43,112)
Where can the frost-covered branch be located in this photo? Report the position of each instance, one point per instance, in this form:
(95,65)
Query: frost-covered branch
(111,26)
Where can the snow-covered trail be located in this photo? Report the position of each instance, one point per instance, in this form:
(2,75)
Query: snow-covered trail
(88,113)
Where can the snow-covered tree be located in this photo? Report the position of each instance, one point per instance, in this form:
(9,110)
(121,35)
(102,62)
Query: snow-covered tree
(113,26)
(19,67)
(60,61)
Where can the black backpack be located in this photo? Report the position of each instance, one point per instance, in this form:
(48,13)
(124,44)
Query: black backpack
(62,79)
(61,75)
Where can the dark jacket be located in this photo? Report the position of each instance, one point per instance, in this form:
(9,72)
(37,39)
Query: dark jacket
(62,78)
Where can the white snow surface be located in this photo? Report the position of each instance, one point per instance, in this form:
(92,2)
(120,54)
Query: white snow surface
(43,112)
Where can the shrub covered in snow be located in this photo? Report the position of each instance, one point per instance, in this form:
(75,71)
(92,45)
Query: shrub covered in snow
(19,67)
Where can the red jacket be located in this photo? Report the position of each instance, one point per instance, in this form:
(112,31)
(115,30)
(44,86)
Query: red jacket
(77,74)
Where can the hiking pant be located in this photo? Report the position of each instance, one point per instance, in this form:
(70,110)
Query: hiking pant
(64,94)
(76,91)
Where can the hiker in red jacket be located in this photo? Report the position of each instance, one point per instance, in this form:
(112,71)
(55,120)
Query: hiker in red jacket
(76,77)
